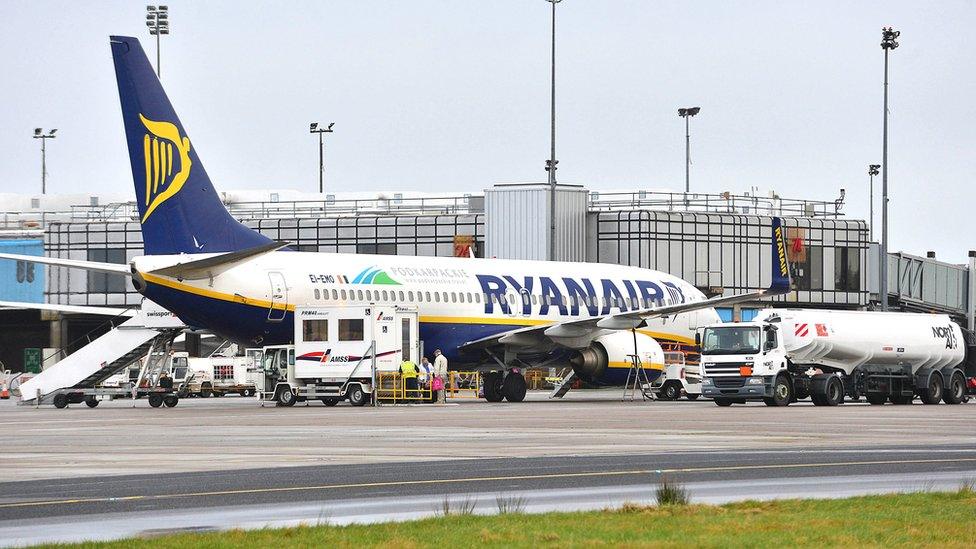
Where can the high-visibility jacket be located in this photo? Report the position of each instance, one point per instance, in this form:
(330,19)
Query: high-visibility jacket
(408,369)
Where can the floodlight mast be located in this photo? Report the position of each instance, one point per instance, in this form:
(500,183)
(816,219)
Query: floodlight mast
(687,113)
(39,134)
(314,128)
(888,42)
(157,19)
(551,164)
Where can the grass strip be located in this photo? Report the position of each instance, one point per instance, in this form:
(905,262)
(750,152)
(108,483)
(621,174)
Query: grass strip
(904,520)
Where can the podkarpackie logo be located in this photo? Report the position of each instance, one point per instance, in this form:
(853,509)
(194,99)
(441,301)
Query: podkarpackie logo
(374,275)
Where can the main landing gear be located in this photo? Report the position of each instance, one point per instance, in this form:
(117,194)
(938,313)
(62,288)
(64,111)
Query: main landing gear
(508,385)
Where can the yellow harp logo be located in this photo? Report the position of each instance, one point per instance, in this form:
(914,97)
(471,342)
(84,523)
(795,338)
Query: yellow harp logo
(160,143)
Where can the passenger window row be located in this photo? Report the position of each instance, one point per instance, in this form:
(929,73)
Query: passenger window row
(409,297)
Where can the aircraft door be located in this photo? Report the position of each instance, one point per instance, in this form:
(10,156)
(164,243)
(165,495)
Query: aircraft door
(279,297)
(523,307)
(409,340)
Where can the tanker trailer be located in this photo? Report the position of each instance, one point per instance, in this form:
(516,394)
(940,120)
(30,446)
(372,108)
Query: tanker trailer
(789,354)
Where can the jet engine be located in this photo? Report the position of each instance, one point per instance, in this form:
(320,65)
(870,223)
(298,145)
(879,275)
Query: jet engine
(606,361)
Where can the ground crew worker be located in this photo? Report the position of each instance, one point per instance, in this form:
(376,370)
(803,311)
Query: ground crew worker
(408,371)
(440,370)
(165,382)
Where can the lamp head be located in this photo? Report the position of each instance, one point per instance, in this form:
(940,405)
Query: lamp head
(330,125)
(312,126)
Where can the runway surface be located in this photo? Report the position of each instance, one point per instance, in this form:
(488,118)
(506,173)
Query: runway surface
(106,508)
(118,471)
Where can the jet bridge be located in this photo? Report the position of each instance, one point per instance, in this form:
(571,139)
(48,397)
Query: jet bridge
(150,327)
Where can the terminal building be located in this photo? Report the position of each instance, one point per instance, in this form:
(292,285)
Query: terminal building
(719,242)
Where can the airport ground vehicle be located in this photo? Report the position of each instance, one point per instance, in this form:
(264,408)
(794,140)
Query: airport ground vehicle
(789,354)
(218,375)
(338,354)
(679,378)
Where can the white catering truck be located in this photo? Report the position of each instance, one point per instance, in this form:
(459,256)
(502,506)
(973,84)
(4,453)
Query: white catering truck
(785,355)
(338,353)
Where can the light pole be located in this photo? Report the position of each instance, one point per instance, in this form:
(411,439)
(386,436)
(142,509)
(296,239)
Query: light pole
(39,134)
(552,163)
(872,171)
(157,19)
(686,114)
(888,42)
(314,128)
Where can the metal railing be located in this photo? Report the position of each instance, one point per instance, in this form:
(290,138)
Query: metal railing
(745,204)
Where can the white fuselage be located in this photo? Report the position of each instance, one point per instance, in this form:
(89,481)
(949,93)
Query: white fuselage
(458,299)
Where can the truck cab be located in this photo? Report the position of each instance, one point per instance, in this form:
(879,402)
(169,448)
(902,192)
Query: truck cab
(741,360)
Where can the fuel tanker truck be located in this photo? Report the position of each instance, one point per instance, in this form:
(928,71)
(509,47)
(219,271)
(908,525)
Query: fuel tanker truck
(785,355)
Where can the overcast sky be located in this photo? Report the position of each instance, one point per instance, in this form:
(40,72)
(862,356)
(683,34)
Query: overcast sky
(454,96)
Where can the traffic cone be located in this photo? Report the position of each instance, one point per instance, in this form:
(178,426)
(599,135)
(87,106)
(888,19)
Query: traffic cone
(4,392)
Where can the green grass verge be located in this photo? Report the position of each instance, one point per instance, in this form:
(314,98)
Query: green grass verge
(909,520)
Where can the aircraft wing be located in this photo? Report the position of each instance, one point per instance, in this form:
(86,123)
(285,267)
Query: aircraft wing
(114,268)
(590,328)
(77,309)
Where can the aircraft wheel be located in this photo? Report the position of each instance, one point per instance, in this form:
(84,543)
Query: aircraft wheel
(514,387)
(493,387)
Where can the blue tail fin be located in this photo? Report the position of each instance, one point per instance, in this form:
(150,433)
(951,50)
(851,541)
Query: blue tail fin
(781,265)
(178,207)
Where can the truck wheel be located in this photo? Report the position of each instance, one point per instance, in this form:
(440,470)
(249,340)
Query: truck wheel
(171,400)
(91,401)
(932,393)
(901,399)
(357,396)
(513,387)
(330,401)
(834,392)
(183,393)
(155,400)
(955,393)
(205,391)
(285,397)
(723,402)
(247,392)
(60,401)
(670,391)
(692,396)
(493,387)
(826,390)
(877,398)
(782,393)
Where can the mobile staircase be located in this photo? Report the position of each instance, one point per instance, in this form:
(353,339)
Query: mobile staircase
(74,379)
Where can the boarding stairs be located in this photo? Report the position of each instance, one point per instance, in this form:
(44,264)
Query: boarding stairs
(97,361)
(564,385)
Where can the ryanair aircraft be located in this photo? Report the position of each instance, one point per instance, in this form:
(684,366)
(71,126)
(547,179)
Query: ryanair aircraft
(218,275)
